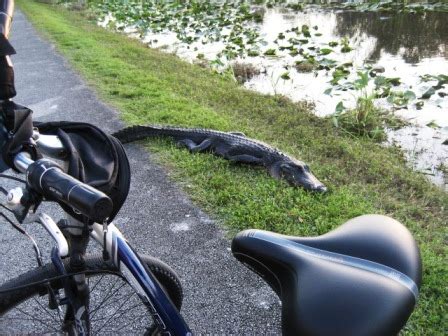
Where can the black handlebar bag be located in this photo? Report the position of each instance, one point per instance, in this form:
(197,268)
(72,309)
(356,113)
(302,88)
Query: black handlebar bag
(7,88)
(93,157)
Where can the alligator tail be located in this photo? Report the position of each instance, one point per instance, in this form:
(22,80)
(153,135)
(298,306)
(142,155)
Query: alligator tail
(138,132)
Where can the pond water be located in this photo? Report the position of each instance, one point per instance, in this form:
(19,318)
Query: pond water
(297,54)
(405,45)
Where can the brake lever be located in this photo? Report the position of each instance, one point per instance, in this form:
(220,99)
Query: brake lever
(20,201)
(52,228)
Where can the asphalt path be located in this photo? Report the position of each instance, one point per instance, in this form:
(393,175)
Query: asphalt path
(221,296)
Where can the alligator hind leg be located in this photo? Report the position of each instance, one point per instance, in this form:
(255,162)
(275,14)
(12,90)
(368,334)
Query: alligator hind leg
(193,147)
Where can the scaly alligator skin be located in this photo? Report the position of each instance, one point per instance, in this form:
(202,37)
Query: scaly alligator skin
(231,146)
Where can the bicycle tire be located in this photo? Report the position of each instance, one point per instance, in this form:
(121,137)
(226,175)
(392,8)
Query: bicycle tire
(23,304)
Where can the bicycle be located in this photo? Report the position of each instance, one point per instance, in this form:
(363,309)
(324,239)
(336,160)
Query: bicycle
(360,279)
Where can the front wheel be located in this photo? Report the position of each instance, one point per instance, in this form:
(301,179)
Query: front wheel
(115,308)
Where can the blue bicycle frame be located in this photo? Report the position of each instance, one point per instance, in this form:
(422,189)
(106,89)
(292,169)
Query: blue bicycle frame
(163,311)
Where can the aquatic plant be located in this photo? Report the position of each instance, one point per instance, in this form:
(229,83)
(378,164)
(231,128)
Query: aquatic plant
(244,71)
(365,120)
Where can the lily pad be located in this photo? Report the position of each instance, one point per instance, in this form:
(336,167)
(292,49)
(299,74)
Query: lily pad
(270,52)
(253,53)
(294,52)
(340,107)
(428,93)
(325,51)
(285,76)
(409,95)
(433,125)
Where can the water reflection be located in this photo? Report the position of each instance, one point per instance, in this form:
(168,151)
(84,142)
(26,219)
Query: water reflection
(412,36)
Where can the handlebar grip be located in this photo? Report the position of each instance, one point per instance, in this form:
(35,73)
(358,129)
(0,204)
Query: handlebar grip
(48,179)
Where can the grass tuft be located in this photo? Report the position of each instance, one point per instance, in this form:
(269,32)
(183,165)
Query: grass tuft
(366,120)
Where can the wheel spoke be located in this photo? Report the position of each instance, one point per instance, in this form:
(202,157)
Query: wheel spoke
(115,307)
(97,282)
(132,322)
(93,312)
(117,316)
(33,318)
(124,298)
(120,305)
(46,310)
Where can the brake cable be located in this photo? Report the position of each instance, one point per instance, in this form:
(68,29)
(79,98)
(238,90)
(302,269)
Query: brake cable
(22,231)
(13,178)
(59,277)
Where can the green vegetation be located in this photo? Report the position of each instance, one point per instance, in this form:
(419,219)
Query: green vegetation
(148,86)
(230,23)
(232,30)
(367,120)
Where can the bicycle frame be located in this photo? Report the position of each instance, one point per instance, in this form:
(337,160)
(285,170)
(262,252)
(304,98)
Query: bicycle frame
(163,311)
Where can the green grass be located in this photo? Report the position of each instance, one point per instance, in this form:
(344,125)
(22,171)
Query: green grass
(148,86)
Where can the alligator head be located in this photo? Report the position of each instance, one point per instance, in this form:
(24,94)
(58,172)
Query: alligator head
(298,174)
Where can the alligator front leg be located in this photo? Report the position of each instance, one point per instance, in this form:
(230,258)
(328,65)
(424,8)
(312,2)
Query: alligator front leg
(193,147)
(245,158)
(274,171)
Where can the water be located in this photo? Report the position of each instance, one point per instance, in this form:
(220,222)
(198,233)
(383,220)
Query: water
(407,46)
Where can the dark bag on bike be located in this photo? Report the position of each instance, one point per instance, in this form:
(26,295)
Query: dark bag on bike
(7,88)
(93,157)
(16,129)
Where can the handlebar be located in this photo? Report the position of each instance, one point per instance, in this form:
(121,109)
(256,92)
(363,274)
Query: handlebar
(47,178)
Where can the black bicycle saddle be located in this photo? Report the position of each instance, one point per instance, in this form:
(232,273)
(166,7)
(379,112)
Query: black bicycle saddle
(359,279)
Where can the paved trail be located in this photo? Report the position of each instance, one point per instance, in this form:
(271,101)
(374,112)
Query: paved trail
(222,297)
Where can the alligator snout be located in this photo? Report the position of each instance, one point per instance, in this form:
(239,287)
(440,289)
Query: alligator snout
(320,188)
(299,174)
(311,183)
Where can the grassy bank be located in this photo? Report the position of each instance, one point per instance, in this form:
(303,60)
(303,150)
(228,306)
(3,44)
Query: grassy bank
(148,86)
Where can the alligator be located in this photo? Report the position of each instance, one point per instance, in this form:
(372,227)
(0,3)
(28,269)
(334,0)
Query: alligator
(233,146)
